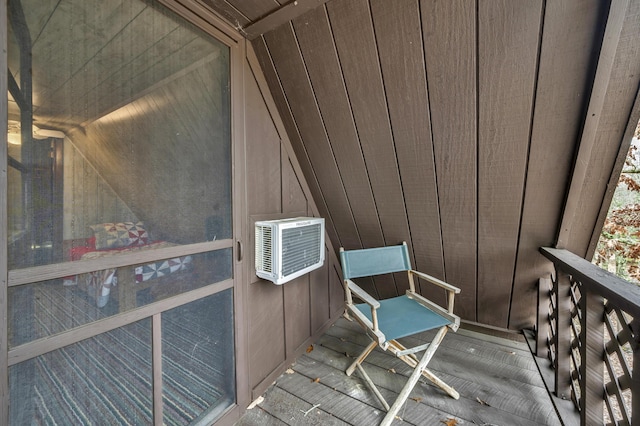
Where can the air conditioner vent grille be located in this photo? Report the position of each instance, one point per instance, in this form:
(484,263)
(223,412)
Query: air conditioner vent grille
(263,249)
(300,248)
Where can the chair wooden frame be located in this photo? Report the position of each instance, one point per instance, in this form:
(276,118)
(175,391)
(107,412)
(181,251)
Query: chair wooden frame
(383,260)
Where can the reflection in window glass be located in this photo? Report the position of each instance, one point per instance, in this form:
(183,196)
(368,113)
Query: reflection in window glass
(198,380)
(105,380)
(119,152)
(45,308)
(119,129)
(14,195)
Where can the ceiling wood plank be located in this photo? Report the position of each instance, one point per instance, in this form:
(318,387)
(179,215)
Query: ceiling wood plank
(206,18)
(54,67)
(254,10)
(449,30)
(561,91)
(508,34)
(228,11)
(280,16)
(397,23)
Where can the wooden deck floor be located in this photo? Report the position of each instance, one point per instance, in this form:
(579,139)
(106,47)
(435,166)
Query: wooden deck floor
(497,378)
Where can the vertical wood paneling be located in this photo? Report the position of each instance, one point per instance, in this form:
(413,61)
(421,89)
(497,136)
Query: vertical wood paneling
(315,39)
(266,330)
(356,45)
(297,310)
(297,89)
(263,156)
(294,201)
(449,30)
(570,30)
(316,43)
(493,94)
(266,301)
(397,23)
(263,57)
(336,291)
(320,289)
(293,197)
(298,294)
(508,33)
(283,317)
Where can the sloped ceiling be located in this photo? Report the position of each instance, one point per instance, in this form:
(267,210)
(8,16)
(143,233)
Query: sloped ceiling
(95,78)
(454,125)
(105,98)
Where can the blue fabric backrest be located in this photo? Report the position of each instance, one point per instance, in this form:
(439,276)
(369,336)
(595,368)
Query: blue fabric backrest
(374,261)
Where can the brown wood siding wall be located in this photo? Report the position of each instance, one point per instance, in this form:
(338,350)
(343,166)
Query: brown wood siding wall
(450,125)
(450,52)
(565,74)
(282,319)
(411,123)
(504,123)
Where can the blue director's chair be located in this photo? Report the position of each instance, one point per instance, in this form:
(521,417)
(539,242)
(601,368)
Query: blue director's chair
(387,320)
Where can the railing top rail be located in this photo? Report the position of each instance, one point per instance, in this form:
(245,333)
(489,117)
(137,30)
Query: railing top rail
(618,291)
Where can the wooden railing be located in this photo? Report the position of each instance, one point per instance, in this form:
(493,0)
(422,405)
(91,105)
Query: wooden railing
(589,328)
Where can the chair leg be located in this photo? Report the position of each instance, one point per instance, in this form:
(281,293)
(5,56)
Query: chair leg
(373,387)
(358,364)
(413,379)
(361,358)
(411,360)
(442,385)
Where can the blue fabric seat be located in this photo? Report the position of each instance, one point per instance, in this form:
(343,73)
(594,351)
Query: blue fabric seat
(393,314)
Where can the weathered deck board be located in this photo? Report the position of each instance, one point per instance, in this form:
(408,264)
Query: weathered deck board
(289,409)
(488,383)
(260,417)
(497,380)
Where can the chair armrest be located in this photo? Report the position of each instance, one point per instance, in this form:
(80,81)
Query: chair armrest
(455,319)
(436,281)
(451,290)
(372,325)
(363,295)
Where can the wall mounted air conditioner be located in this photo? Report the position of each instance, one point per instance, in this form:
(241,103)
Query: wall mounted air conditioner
(289,248)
